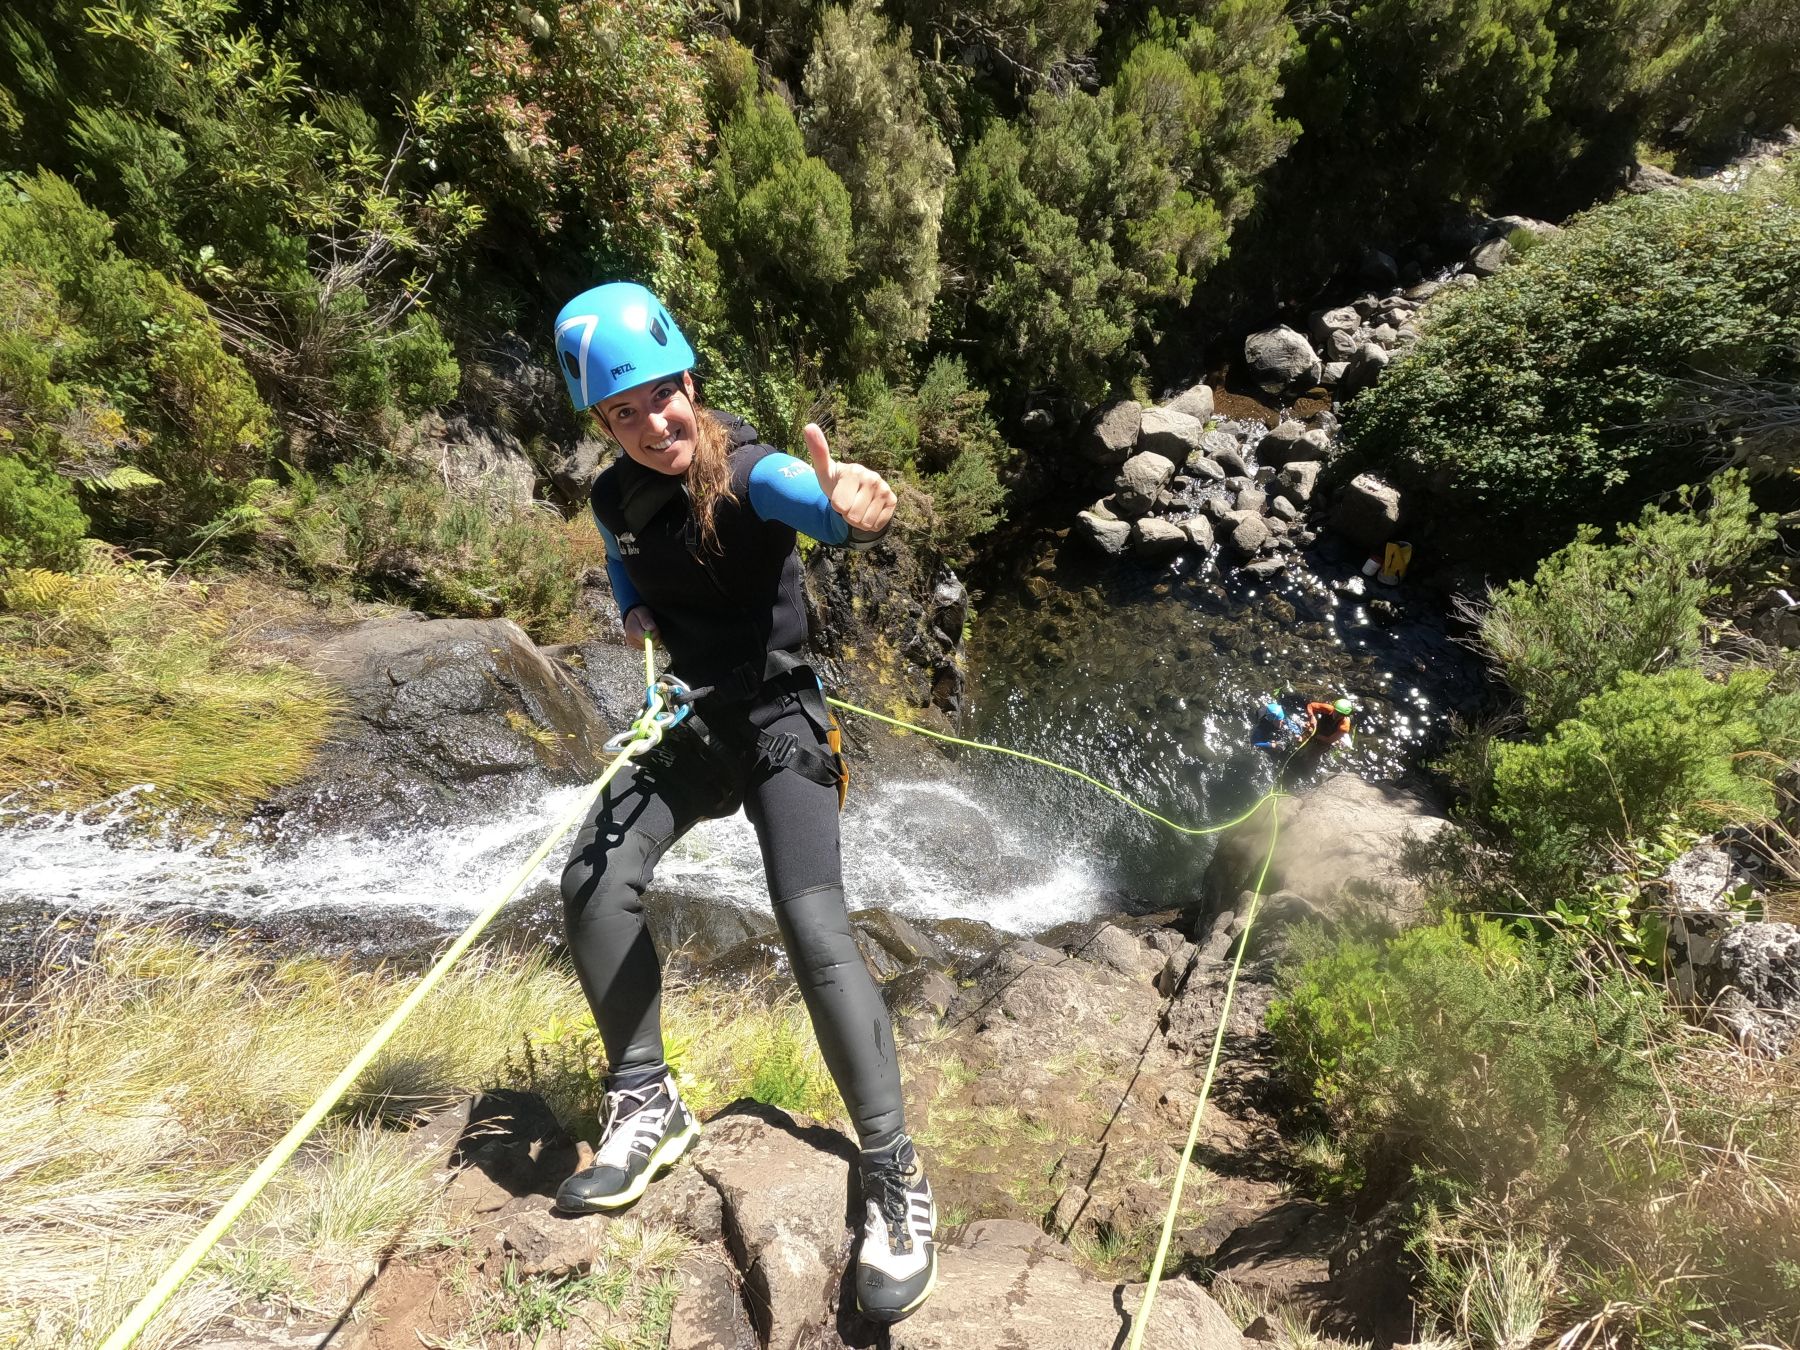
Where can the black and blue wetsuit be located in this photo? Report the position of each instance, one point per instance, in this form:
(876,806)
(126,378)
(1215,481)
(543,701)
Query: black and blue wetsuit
(722,613)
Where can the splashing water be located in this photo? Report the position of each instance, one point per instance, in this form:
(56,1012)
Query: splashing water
(926,850)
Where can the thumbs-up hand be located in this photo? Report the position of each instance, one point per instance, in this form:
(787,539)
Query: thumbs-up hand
(861,496)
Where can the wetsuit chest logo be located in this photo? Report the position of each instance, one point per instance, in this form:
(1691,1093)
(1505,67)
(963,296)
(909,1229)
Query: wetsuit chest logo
(628,544)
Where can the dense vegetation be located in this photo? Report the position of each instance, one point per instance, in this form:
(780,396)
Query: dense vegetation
(1578,1149)
(240,243)
(1615,360)
(244,245)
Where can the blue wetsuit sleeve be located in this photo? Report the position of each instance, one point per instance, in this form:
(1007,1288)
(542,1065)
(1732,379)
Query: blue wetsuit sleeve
(784,489)
(623,591)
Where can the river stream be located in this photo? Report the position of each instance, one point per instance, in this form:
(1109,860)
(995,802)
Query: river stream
(1144,677)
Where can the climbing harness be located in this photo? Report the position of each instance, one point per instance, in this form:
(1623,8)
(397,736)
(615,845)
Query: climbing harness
(668,703)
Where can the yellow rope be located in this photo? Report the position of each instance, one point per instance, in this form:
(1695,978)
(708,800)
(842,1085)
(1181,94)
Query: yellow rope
(1142,1318)
(1107,788)
(151,1303)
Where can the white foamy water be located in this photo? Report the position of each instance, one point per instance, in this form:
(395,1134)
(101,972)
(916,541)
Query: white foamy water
(925,850)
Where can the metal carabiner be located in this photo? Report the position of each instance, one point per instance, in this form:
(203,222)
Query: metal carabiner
(646,731)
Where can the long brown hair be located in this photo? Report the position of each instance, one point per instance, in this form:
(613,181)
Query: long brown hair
(709,474)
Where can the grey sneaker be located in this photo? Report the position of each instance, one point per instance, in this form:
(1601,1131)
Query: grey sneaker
(896,1265)
(647,1129)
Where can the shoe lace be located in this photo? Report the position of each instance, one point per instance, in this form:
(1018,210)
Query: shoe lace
(885,1180)
(621,1105)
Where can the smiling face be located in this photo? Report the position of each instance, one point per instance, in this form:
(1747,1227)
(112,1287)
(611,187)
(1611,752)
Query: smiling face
(655,423)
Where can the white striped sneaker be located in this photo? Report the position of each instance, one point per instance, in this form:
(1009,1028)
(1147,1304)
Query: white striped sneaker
(647,1129)
(896,1265)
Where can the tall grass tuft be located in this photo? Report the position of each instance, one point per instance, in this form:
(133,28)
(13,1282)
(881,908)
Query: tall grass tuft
(139,1086)
(118,676)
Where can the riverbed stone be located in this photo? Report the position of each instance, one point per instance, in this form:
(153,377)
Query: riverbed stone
(1199,531)
(1332,373)
(1219,510)
(1154,538)
(1266,568)
(1299,480)
(1199,465)
(1490,257)
(1252,499)
(1286,443)
(1280,359)
(1343,319)
(1165,431)
(1196,402)
(1250,534)
(1542,229)
(1229,457)
(1113,434)
(1110,536)
(1367,366)
(1141,478)
(1341,846)
(1283,509)
(1367,511)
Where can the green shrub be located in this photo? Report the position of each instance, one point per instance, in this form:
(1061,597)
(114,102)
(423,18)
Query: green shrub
(1461,1046)
(111,361)
(41,524)
(1673,748)
(1594,612)
(385,534)
(940,438)
(1543,394)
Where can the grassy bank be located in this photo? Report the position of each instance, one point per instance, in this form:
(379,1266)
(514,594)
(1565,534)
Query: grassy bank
(139,1085)
(119,675)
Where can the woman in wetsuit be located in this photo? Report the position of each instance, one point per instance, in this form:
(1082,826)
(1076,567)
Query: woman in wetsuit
(700,521)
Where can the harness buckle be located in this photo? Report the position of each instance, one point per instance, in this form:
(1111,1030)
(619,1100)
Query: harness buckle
(780,749)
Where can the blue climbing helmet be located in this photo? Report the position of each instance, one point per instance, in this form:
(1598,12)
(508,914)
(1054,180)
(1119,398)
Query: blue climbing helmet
(1275,710)
(614,337)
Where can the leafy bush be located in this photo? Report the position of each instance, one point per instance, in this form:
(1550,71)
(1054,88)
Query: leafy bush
(1725,69)
(1653,750)
(942,439)
(384,534)
(1540,393)
(867,121)
(1594,612)
(41,524)
(288,206)
(1464,1047)
(1066,231)
(98,332)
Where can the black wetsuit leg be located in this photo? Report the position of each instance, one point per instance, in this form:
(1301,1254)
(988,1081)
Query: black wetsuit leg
(650,804)
(796,822)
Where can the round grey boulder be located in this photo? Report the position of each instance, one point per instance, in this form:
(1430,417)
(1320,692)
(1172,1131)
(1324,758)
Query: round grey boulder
(1281,359)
